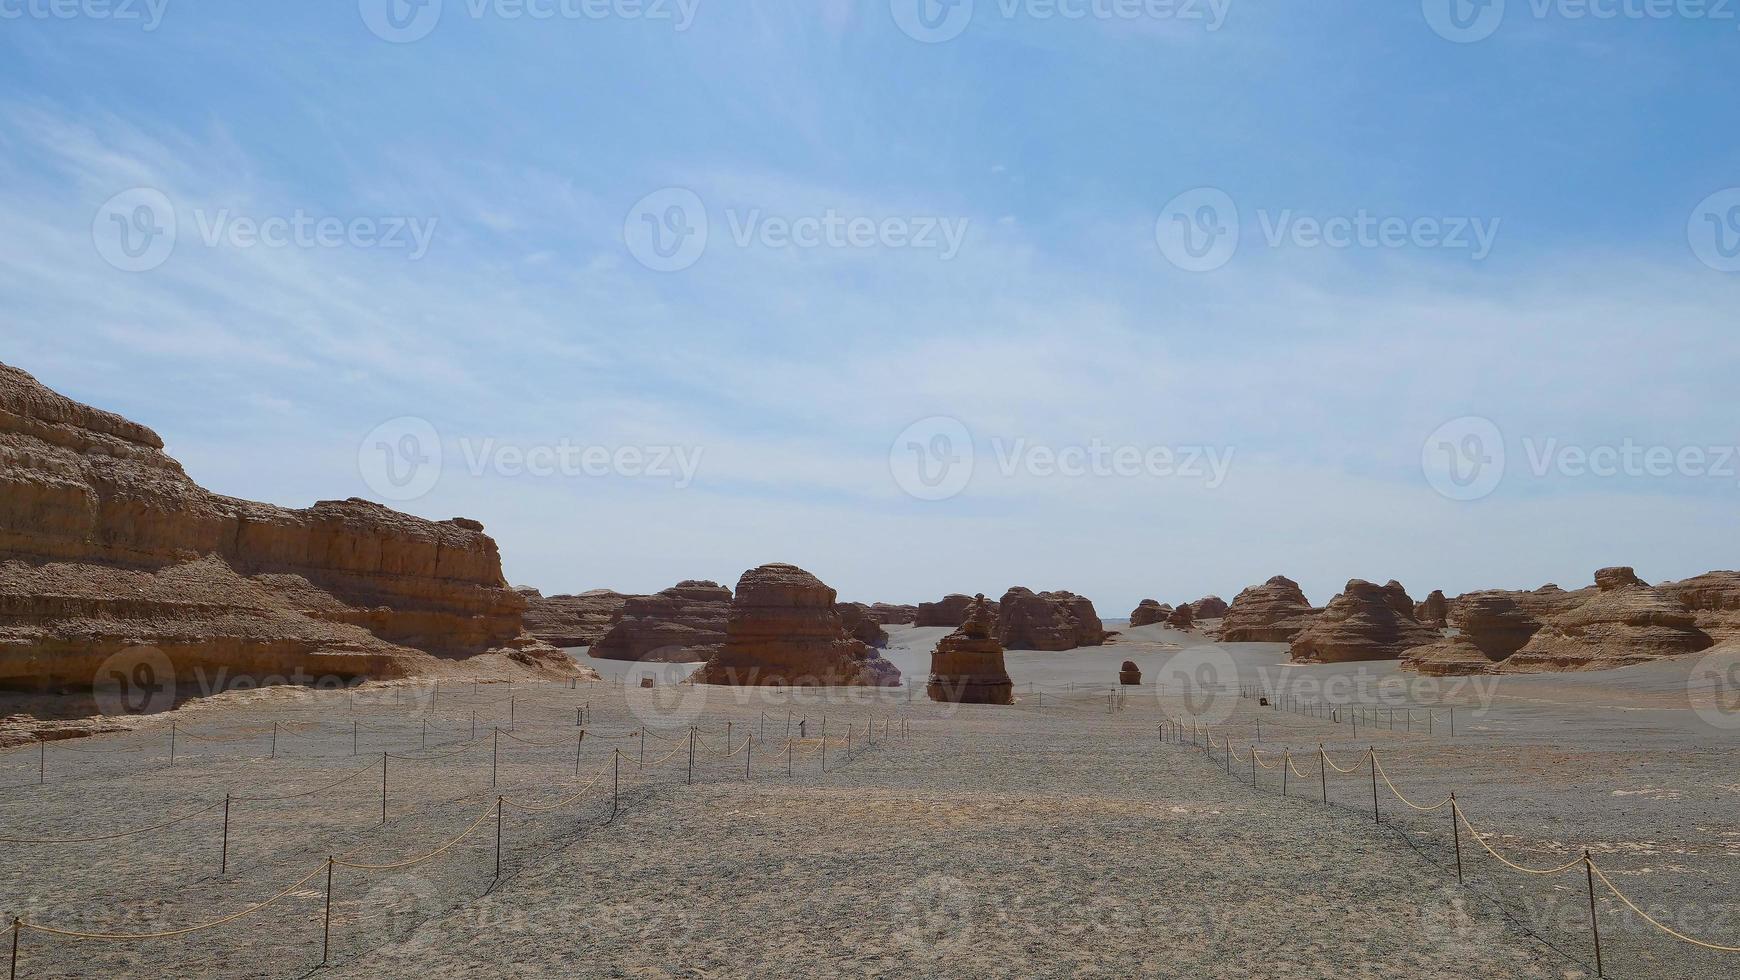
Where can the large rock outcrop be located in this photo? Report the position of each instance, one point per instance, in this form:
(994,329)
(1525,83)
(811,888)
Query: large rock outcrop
(1209,607)
(1713,599)
(1492,627)
(783,630)
(1624,622)
(950,611)
(967,665)
(1434,611)
(106,544)
(1274,612)
(861,624)
(1364,622)
(572,620)
(1148,612)
(683,624)
(893,614)
(1027,620)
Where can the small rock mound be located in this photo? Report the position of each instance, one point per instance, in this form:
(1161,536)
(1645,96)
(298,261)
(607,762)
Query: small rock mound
(1148,612)
(1364,622)
(861,624)
(950,610)
(1182,618)
(783,630)
(1129,674)
(1209,607)
(967,665)
(1274,612)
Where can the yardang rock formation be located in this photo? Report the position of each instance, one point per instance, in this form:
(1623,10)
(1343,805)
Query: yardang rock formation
(1364,622)
(1274,612)
(967,665)
(783,630)
(683,624)
(1047,621)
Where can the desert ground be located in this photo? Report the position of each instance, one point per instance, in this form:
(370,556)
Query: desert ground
(1076,833)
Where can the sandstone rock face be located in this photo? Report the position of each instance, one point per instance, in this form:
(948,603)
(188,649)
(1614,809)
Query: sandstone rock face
(1274,612)
(683,624)
(106,544)
(572,620)
(1364,622)
(1624,622)
(861,624)
(967,665)
(1148,612)
(1713,599)
(1181,618)
(1047,621)
(1129,674)
(1493,627)
(1209,607)
(889,614)
(783,630)
(951,610)
(1435,611)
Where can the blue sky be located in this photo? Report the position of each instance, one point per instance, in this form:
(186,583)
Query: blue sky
(1594,151)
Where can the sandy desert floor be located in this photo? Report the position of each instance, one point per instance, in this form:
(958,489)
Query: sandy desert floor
(1059,837)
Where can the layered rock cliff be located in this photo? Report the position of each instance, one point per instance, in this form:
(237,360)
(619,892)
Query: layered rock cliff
(106,544)
(683,624)
(783,630)
(1364,622)
(1274,612)
(572,620)
(1027,620)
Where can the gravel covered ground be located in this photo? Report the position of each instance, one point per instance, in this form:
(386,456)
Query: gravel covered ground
(1057,837)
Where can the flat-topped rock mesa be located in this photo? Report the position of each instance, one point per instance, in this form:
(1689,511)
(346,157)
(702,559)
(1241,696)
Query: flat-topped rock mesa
(1364,622)
(1713,599)
(950,610)
(893,614)
(1274,612)
(1129,674)
(1434,610)
(783,630)
(1148,612)
(1491,627)
(683,624)
(1027,620)
(1182,618)
(967,667)
(1625,621)
(107,544)
(572,620)
(1209,607)
(861,624)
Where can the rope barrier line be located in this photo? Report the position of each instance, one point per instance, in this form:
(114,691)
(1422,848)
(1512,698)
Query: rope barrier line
(131,833)
(1398,793)
(468,746)
(488,809)
(1349,770)
(561,804)
(543,745)
(1651,919)
(117,936)
(1506,861)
